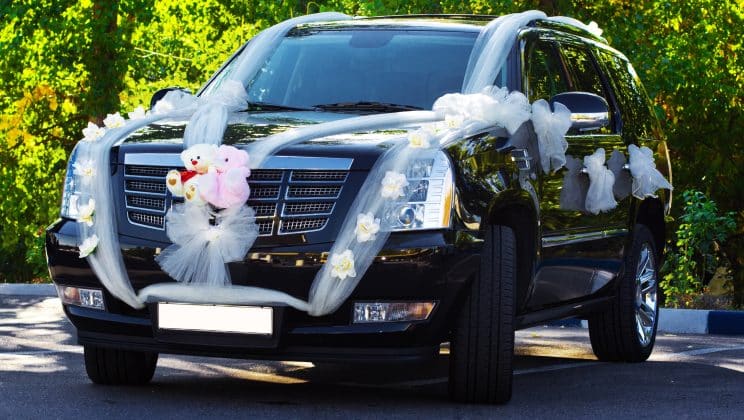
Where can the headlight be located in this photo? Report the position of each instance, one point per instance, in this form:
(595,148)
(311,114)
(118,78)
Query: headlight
(430,190)
(70,194)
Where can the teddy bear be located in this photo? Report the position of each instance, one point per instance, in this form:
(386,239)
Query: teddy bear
(197,160)
(225,184)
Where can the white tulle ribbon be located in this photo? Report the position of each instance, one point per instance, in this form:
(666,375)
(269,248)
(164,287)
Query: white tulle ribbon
(201,249)
(551,128)
(493,106)
(575,186)
(599,197)
(646,178)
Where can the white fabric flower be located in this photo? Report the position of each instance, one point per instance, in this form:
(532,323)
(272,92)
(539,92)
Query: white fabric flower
(93,132)
(85,212)
(420,139)
(86,170)
(114,120)
(88,246)
(137,114)
(453,121)
(212,234)
(367,227)
(342,265)
(393,184)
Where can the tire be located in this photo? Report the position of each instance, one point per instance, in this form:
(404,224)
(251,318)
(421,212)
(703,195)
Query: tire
(107,366)
(626,330)
(482,346)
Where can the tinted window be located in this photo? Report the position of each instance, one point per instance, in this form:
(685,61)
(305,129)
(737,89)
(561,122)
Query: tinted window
(585,77)
(313,67)
(545,77)
(638,120)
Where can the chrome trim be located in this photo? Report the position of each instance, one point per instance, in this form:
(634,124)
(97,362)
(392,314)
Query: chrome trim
(574,238)
(273,162)
(588,121)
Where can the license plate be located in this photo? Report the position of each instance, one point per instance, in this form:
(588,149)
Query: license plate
(215,318)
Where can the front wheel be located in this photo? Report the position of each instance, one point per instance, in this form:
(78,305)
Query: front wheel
(107,366)
(482,346)
(626,330)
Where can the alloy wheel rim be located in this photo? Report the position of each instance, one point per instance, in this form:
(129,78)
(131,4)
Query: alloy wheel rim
(646,302)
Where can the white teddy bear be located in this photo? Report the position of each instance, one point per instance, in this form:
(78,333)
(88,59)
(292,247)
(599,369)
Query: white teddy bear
(197,160)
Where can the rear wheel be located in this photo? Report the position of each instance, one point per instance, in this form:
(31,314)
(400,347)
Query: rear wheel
(107,366)
(482,346)
(626,330)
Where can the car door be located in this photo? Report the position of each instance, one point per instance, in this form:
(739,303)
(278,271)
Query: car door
(579,251)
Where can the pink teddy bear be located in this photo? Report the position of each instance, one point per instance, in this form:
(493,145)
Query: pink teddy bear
(225,184)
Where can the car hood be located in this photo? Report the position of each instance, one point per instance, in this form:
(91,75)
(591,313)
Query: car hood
(246,128)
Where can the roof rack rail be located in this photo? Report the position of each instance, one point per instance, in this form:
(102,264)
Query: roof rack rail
(435,15)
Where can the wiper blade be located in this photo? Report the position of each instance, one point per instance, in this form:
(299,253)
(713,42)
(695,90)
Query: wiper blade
(263,106)
(367,106)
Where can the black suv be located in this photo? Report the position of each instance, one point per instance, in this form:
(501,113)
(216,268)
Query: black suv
(499,252)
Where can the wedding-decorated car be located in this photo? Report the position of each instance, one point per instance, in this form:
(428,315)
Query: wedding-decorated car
(367,189)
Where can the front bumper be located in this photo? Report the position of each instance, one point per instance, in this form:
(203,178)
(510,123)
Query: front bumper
(414,266)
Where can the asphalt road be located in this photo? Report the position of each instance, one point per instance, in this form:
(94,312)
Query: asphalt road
(42,376)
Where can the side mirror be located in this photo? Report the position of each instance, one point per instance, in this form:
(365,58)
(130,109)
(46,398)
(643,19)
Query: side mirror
(161,93)
(588,111)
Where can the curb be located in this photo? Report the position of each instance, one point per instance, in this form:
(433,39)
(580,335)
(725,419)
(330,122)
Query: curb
(684,321)
(21,289)
(674,321)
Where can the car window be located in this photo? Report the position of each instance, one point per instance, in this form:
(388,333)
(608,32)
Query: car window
(638,120)
(313,67)
(544,73)
(585,77)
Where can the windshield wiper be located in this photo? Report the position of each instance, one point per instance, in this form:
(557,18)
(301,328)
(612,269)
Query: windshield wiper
(367,106)
(263,106)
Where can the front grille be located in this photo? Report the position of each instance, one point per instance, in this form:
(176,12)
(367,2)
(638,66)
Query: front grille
(286,201)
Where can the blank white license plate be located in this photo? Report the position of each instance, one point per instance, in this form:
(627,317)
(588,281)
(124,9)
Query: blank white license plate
(215,318)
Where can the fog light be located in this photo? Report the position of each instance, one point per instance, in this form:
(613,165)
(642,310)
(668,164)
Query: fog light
(366,312)
(88,298)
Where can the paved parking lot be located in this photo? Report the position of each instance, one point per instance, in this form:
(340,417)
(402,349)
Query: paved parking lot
(688,376)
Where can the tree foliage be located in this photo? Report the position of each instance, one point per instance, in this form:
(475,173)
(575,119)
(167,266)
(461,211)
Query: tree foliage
(64,63)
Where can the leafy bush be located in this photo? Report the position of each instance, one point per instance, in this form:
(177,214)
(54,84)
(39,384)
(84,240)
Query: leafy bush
(696,254)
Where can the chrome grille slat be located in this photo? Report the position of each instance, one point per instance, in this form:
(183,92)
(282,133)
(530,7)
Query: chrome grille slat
(145,202)
(149,220)
(302,225)
(286,201)
(266,175)
(315,176)
(264,210)
(154,171)
(303,209)
(146,186)
(306,191)
(264,192)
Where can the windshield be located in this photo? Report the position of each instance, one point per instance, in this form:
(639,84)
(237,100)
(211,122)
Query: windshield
(405,67)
